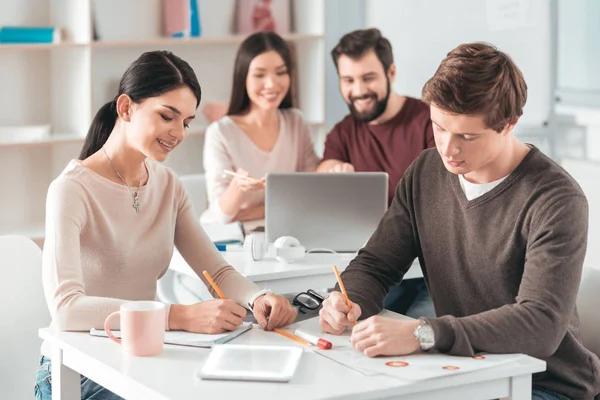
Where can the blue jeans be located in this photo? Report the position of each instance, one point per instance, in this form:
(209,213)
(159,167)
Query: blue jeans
(544,394)
(410,298)
(90,390)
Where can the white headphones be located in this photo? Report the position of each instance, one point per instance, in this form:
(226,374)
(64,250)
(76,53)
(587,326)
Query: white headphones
(287,248)
(255,245)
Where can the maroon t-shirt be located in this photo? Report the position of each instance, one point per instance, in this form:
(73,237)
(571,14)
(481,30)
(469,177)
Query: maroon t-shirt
(389,147)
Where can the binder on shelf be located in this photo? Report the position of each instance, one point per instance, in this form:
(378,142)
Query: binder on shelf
(29,34)
(194,19)
(181,18)
(176,18)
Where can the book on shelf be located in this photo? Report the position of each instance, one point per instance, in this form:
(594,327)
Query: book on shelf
(29,34)
(181,18)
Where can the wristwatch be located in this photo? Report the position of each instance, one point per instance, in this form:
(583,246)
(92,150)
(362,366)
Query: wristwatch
(256,296)
(425,335)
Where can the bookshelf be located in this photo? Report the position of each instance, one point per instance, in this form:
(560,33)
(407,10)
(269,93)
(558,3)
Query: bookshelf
(65,84)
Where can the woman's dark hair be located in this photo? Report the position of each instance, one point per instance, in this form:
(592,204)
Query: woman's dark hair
(252,46)
(152,74)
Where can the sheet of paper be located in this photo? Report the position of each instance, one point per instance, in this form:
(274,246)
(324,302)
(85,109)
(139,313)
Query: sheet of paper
(415,367)
(312,327)
(418,366)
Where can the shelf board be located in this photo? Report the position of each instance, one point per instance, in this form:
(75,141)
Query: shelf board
(49,139)
(38,46)
(234,39)
(66,138)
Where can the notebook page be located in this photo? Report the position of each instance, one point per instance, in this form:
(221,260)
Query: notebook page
(183,338)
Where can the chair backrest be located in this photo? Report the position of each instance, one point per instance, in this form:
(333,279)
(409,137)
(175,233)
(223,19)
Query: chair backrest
(195,185)
(24,311)
(587,306)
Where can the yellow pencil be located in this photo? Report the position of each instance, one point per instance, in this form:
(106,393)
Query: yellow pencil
(291,336)
(248,178)
(213,284)
(342,288)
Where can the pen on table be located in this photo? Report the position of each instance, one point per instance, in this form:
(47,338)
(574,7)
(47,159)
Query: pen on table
(222,296)
(291,336)
(342,288)
(317,341)
(248,178)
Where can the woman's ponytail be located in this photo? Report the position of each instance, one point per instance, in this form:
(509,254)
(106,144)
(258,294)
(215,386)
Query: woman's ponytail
(100,130)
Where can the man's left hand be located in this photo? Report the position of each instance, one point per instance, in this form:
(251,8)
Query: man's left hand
(380,336)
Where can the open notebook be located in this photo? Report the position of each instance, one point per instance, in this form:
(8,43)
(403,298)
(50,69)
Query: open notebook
(188,338)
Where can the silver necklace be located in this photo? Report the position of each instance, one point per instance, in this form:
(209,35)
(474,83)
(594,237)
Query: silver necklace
(136,200)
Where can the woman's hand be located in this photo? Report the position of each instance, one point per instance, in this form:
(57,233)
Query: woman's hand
(272,311)
(247,184)
(212,316)
(250,213)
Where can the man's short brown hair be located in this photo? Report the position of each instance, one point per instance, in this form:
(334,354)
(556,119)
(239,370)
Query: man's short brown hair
(478,79)
(356,43)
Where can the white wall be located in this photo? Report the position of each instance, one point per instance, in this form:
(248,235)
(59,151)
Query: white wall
(342,16)
(423,32)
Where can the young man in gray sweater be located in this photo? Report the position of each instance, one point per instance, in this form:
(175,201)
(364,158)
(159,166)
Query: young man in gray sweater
(500,231)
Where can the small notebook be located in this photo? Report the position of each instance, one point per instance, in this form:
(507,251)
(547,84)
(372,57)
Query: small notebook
(188,338)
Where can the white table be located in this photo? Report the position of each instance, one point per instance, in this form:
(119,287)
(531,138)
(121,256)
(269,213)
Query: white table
(170,376)
(314,271)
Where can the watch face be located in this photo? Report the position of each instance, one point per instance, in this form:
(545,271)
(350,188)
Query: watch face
(424,333)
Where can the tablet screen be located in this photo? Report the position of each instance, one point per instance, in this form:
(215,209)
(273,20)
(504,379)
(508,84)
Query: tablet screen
(251,363)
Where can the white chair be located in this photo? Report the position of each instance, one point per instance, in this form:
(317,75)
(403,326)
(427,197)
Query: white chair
(587,306)
(195,185)
(24,311)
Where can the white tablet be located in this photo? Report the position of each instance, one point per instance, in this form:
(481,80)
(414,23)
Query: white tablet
(251,363)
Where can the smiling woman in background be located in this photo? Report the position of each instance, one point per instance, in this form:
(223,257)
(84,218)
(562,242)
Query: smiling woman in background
(112,218)
(261,132)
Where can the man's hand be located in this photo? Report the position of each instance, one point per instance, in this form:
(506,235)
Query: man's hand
(342,167)
(380,336)
(335,315)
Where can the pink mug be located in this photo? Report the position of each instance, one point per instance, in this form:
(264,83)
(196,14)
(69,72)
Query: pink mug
(142,327)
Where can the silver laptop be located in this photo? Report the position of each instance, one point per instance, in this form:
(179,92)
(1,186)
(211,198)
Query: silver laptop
(335,211)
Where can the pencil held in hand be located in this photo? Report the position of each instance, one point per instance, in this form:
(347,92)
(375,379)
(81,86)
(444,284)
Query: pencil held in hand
(213,284)
(247,178)
(343,289)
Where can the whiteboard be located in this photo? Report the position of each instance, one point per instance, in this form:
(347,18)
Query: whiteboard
(422,32)
(587,174)
(579,52)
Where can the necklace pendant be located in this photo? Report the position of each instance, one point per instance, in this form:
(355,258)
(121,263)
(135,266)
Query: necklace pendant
(136,203)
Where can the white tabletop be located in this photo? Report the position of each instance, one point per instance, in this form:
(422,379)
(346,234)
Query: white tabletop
(314,271)
(171,375)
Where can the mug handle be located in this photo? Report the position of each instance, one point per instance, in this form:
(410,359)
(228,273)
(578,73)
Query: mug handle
(107,327)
